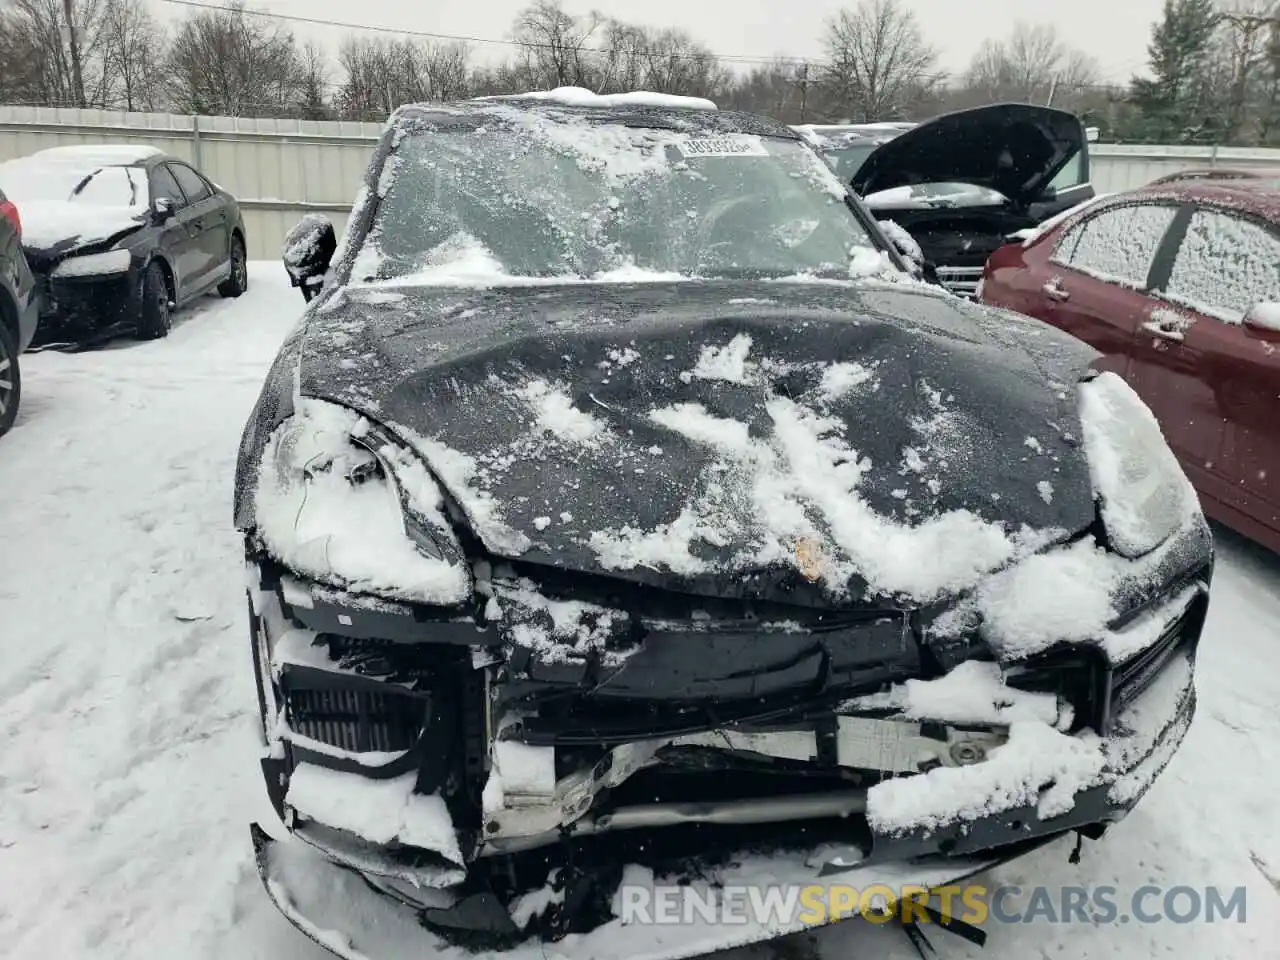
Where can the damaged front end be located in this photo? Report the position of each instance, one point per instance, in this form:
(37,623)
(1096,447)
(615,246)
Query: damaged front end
(493,772)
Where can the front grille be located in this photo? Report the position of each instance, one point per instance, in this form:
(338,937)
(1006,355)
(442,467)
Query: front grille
(359,721)
(962,281)
(1131,678)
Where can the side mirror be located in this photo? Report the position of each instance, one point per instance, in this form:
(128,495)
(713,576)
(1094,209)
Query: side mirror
(308,251)
(162,209)
(1264,318)
(1048,195)
(905,244)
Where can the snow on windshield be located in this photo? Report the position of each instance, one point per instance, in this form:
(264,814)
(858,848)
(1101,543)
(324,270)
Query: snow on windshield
(73,198)
(525,195)
(39,180)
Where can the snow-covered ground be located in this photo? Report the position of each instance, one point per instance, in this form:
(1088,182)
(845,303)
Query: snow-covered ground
(127,747)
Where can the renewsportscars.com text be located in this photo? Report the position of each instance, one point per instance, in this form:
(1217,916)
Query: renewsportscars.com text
(971,903)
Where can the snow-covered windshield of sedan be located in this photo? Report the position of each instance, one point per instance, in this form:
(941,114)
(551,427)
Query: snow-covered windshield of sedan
(28,181)
(526,196)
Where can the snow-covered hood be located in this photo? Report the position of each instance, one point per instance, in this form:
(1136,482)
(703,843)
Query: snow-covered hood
(886,437)
(56,229)
(1013,148)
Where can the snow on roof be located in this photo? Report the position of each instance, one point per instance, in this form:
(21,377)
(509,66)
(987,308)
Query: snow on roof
(581,97)
(99,153)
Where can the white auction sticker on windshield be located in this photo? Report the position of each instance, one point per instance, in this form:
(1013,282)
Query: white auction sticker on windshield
(723,147)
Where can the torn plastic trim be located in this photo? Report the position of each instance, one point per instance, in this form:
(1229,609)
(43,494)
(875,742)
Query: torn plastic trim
(338,910)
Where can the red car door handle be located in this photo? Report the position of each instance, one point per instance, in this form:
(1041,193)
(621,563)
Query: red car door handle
(1165,333)
(1054,290)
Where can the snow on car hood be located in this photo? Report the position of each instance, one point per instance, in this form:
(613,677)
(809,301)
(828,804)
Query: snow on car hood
(726,437)
(60,228)
(1012,148)
(74,198)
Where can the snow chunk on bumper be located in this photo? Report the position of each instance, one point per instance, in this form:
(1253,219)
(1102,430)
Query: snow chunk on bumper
(1038,765)
(380,811)
(1043,767)
(972,693)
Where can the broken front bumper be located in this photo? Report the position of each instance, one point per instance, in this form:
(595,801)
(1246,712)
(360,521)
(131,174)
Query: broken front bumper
(392,848)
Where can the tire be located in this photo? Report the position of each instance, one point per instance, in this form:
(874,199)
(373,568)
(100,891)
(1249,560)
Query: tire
(238,282)
(154,317)
(10,379)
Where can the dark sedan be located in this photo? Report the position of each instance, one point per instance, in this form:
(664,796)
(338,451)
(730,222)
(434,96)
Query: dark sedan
(1178,286)
(120,236)
(623,521)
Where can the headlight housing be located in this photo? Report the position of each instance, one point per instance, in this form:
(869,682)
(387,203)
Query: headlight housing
(1143,495)
(94,265)
(339,500)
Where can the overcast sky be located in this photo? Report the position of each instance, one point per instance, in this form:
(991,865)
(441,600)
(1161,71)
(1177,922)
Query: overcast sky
(1114,31)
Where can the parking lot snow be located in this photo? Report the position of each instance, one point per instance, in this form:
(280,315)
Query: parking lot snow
(127,714)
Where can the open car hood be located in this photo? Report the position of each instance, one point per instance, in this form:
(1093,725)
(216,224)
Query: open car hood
(1016,149)
(701,437)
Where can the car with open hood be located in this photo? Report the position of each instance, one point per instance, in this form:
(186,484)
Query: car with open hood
(621,520)
(962,183)
(118,236)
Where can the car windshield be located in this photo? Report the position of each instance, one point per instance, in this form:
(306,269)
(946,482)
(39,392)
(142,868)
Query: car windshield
(847,161)
(31,180)
(522,194)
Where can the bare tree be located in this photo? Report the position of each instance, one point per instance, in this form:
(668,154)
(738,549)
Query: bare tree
(383,74)
(879,60)
(313,83)
(63,41)
(133,55)
(226,62)
(774,89)
(1032,65)
(1247,31)
(556,46)
(664,61)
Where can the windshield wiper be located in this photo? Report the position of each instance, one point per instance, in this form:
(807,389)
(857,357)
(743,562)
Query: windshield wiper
(75,191)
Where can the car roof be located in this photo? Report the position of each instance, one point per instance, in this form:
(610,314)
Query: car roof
(1260,197)
(103,154)
(662,115)
(1221,173)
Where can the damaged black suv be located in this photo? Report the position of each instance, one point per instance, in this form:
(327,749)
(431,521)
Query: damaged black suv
(622,513)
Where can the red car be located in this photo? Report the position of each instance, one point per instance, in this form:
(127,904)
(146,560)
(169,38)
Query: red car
(1177,285)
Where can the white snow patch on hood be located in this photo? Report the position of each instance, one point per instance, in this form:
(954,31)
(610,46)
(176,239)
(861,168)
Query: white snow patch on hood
(728,363)
(460,473)
(841,379)
(555,413)
(800,484)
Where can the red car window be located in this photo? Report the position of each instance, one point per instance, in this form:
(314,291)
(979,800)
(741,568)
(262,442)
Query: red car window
(1225,265)
(1117,245)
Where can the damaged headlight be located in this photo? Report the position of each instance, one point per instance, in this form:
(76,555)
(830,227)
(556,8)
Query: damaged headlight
(1141,490)
(337,499)
(94,265)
